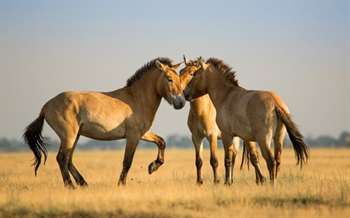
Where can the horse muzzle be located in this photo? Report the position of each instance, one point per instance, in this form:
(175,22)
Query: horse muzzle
(187,95)
(179,102)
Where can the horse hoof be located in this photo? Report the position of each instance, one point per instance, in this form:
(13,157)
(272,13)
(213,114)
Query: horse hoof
(121,182)
(228,183)
(70,186)
(216,181)
(199,182)
(152,167)
(83,185)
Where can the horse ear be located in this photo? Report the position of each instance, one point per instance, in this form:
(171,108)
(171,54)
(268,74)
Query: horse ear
(202,63)
(185,61)
(159,65)
(175,66)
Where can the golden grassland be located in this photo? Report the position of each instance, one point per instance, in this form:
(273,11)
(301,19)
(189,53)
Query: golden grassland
(321,189)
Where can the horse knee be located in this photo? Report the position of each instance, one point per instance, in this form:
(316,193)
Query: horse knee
(214,162)
(199,163)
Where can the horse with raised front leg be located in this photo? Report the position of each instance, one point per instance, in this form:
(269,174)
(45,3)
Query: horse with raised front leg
(124,113)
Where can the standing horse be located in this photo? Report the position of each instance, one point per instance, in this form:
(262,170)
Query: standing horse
(124,113)
(202,124)
(254,116)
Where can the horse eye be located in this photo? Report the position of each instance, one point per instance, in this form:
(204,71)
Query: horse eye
(170,80)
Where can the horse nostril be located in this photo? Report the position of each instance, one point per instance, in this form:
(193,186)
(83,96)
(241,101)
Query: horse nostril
(186,95)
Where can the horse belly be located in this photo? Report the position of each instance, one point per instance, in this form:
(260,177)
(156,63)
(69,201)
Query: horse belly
(103,128)
(235,126)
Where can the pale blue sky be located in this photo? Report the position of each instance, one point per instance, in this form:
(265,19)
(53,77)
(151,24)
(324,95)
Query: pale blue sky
(300,49)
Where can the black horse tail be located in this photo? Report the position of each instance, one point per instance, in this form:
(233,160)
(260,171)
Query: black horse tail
(300,148)
(32,136)
(245,155)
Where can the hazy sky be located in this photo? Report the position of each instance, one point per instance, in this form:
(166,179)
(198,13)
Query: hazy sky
(300,49)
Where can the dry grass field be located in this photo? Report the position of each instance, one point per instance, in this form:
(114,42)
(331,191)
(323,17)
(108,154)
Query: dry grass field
(321,189)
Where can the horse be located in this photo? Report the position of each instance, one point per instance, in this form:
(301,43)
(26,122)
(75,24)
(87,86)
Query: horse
(202,124)
(255,116)
(127,113)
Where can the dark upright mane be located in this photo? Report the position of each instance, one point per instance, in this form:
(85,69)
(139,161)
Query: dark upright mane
(229,74)
(146,68)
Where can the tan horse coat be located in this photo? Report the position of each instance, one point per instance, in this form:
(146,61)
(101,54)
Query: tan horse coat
(251,115)
(124,113)
(202,124)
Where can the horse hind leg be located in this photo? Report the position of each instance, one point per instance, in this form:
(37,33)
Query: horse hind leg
(254,159)
(265,146)
(278,145)
(79,179)
(63,157)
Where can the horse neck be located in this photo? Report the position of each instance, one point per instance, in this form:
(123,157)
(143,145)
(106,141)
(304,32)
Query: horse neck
(219,88)
(145,93)
(199,104)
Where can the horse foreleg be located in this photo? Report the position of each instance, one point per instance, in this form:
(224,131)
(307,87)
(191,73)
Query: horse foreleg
(160,142)
(229,149)
(131,144)
(213,139)
(198,145)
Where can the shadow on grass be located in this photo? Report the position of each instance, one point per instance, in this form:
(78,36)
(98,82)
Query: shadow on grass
(299,201)
(26,212)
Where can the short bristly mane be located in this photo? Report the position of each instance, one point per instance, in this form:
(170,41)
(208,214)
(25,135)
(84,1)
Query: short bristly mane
(229,74)
(146,68)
